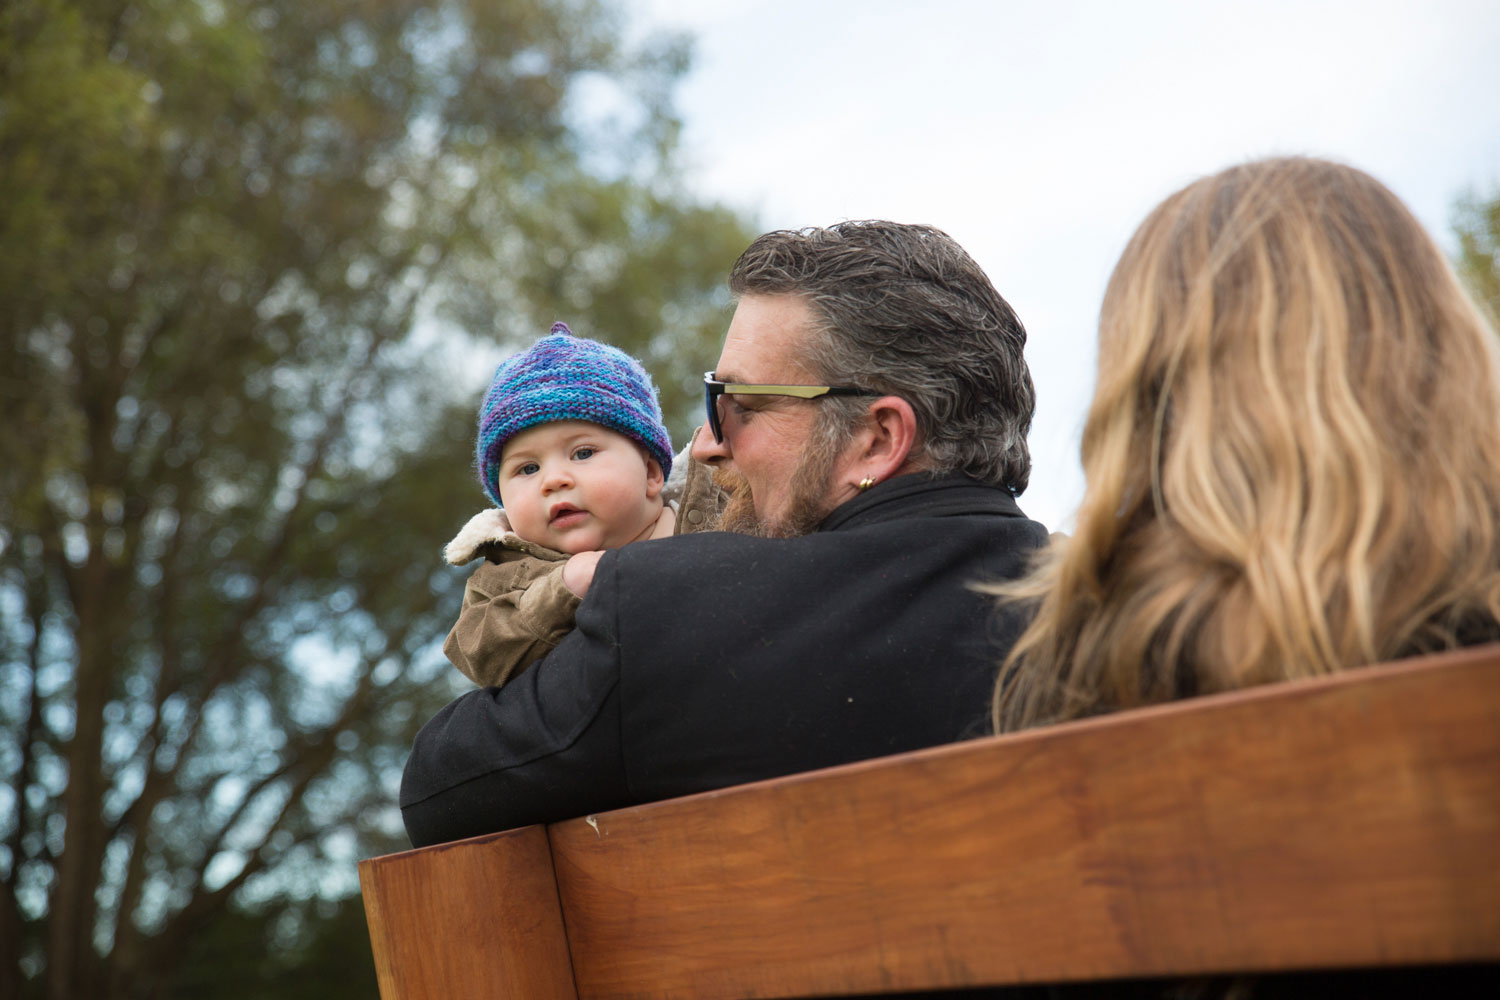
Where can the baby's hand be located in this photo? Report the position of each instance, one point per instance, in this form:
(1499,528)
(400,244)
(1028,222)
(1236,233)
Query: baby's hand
(578,571)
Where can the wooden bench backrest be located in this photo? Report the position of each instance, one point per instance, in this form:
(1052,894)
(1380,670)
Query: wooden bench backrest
(1347,822)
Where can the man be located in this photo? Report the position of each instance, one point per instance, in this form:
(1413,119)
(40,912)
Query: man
(868,419)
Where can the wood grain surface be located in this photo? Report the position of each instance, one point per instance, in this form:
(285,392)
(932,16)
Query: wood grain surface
(473,919)
(1350,821)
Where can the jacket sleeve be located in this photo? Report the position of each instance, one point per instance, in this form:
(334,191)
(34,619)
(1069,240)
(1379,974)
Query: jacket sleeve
(514,613)
(545,747)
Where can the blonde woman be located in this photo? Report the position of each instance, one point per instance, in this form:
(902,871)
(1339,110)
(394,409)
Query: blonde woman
(1292,456)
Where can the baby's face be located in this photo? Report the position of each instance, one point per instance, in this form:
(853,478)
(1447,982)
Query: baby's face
(574,486)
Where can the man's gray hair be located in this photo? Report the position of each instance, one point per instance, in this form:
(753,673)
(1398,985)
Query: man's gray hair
(903,310)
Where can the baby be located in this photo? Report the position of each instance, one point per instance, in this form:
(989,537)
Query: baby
(573,452)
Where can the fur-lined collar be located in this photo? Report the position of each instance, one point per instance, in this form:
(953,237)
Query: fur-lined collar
(490,527)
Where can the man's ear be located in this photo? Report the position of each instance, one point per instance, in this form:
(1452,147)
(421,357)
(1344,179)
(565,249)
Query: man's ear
(654,478)
(887,441)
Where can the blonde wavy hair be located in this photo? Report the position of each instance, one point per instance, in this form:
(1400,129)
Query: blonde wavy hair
(1292,456)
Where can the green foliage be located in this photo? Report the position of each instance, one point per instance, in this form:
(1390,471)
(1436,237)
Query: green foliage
(256,262)
(1477,224)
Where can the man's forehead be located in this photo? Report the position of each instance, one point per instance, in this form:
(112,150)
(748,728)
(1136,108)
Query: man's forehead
(766,340)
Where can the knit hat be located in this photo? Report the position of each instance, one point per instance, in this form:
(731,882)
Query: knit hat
(563,377)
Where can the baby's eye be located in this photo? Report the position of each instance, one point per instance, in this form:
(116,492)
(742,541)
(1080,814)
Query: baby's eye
(526,469)
(583,454)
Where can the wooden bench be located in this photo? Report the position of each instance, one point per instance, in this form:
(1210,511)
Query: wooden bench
(1347,822)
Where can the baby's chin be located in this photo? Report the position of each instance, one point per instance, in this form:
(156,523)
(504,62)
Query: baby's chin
(593,541)
(571,547)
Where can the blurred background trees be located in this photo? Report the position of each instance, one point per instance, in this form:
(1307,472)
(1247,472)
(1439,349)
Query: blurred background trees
(1477,226)
(256,262)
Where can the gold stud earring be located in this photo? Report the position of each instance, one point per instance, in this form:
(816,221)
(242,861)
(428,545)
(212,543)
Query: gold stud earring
(866,483)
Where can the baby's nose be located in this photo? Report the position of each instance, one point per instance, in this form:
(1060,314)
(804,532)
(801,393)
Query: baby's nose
(556,478)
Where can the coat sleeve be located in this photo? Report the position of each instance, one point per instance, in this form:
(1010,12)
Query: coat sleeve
(545,747)
(513,614)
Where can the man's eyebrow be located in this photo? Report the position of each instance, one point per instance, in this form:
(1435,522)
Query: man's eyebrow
(740,380)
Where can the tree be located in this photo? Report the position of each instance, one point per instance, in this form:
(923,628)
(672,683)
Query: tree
(249,255)
(1477,224)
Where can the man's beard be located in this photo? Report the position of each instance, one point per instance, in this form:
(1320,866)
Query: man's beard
(808,503)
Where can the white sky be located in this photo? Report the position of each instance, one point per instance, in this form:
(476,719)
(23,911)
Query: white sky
(1040,134)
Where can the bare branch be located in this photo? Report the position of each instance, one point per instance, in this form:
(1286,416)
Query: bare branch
(35,602)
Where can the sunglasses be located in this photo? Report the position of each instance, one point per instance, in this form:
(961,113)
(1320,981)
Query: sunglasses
(713,389)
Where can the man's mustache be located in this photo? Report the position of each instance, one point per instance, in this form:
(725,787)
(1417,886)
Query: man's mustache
(738,515)
(731,482)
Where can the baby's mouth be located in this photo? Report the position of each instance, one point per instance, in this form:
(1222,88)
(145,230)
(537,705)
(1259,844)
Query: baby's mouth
(564,515)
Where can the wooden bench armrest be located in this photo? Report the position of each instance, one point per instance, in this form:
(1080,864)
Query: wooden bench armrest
(476,918)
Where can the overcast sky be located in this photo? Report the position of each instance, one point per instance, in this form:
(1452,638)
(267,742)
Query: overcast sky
(1040,134)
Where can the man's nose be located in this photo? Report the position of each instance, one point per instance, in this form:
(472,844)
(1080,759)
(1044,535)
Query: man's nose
(706,449)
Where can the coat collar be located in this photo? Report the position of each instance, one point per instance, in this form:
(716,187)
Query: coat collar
(488,528)
(920,494)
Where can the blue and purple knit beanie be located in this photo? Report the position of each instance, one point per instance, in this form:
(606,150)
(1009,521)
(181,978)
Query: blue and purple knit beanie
(564,377)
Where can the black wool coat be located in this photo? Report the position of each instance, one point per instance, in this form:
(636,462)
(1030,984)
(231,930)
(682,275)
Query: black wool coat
(714,659)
